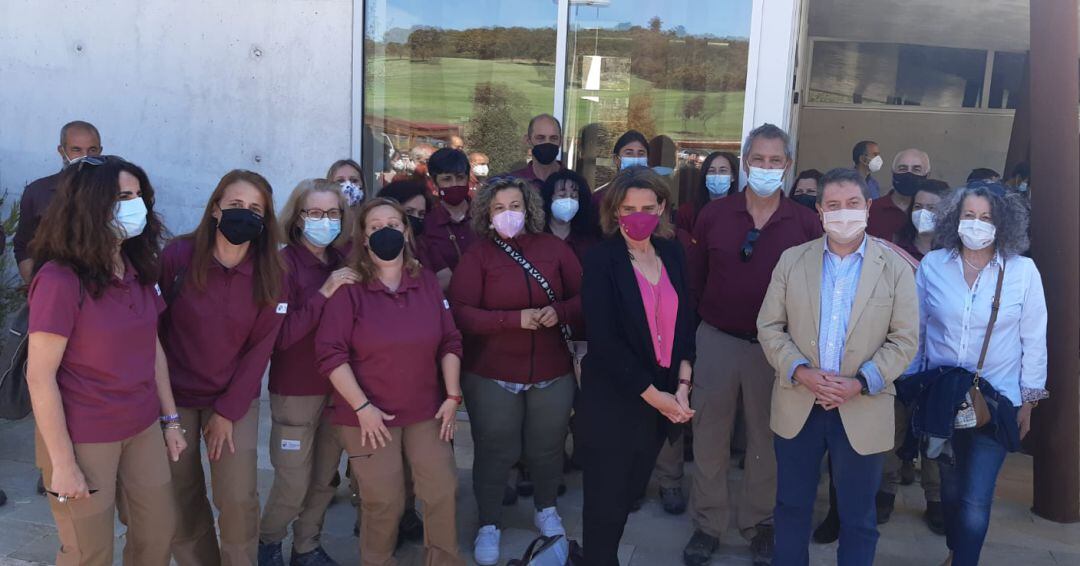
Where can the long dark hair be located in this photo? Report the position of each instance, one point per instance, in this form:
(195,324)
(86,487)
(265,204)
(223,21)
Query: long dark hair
(701,195)
(584,222)
(76,230)
(908,233)
(268,265)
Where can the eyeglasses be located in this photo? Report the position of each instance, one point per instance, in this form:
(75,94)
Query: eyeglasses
(319,214)
(747,249)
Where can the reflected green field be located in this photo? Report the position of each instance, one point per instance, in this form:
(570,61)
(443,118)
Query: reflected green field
(441,91)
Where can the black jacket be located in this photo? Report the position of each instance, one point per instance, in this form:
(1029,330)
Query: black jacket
(621,363)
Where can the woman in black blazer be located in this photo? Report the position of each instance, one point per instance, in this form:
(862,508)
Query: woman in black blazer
(636,376)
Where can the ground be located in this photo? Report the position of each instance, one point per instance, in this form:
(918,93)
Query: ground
(28,537)
(441,90)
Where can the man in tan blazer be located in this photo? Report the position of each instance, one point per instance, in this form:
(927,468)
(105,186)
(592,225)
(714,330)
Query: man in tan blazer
(839,324)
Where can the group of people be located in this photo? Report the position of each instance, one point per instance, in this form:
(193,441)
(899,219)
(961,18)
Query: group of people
(631,316)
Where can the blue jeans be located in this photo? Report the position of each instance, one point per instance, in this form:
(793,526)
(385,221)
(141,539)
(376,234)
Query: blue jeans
(856,477)
(967,491)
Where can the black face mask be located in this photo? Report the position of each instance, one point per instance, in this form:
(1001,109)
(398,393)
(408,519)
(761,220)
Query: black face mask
(417,225)
(545,153)
(386,243)
(809,201)
(907,184)
(239,225)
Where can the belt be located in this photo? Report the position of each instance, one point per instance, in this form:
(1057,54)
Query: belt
(751,338)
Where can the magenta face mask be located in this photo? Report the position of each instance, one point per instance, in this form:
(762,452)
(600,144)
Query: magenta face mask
(639,226)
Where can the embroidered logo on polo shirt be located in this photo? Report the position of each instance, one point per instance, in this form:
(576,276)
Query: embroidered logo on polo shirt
(282,308)
(290,445)
(157,289)
(445,304)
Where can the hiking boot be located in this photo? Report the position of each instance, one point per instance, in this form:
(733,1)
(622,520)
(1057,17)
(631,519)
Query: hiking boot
(673,500)
(935,517)
(270,554)
(699,550)
(885,503)
(761,546)
(317,557)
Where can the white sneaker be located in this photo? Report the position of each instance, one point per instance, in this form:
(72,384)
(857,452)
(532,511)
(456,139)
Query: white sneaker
(549,523)
(486,546)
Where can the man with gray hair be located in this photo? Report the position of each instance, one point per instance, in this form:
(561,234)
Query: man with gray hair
(737,242)
(889,214)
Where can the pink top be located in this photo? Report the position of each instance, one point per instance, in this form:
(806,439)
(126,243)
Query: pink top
(661,308)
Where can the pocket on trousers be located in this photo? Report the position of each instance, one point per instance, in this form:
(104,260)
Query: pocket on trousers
(289,445)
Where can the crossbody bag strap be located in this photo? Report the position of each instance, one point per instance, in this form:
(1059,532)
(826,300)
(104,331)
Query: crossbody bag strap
(535,274)
(994,307)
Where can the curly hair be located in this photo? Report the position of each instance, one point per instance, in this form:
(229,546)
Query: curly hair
(481,205)
(1007,211)
(75,230)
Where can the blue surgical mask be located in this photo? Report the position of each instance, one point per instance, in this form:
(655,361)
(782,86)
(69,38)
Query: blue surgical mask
(625,162)
(130,218)
(564,209)
(321,232)
(718,184)
(765,182)
(663,171)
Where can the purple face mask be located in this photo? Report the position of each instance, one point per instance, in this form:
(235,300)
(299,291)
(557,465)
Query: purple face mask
(639,226)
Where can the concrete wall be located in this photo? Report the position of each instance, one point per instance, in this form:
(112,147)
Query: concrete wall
(956,141)
(186,89)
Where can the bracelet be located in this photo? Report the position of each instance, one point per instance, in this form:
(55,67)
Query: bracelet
(687,383)
(173,418)
(456,398)
(362,407)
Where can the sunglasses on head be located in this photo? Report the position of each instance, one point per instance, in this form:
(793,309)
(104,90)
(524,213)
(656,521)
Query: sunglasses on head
(747,249)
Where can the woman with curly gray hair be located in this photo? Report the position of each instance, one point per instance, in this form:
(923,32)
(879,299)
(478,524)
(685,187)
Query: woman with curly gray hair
(515,293)
(977,270)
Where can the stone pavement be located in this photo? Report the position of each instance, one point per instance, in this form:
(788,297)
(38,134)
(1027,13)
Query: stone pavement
(27,535)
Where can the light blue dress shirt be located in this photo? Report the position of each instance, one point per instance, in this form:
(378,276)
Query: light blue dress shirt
(839,284)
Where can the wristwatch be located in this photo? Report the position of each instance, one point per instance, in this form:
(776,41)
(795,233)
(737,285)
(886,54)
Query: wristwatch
(862,381)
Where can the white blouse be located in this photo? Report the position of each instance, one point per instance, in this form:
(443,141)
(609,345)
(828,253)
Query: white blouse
(953,320)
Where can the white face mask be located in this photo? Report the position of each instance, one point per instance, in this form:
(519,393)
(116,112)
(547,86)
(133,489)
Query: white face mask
(718,184)
(564,209)
(480,170)
(875,164)
(765,182)
(625,162)
(976,234)
(845,225)
(923,220)
(130,218)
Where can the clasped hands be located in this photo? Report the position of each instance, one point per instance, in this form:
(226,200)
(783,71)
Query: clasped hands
(534,319)
(830,389)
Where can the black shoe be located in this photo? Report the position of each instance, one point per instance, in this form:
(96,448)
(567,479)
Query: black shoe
(637,505)
(699,550)
(885,503)
(935,517)
(562,490)
(673,500)
(510,496)
(270,554)
(829,529)
(3,498)
(317,557)
(411,527)
(761,546)
(40,485)
(907,472)
(334,483)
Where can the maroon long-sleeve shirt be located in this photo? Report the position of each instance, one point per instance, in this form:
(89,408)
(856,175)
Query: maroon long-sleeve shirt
(488,292)
(393,341)
(218,340)
(445,240)
(293,368)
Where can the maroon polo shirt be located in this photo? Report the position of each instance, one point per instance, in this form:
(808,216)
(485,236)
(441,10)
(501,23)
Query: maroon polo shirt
(729,290)
(529,175)
(394,342)
(292,367)
(886,219)
(106,375)
(35,201)
(488,292)
(446,240)
(218,340)
(424,255)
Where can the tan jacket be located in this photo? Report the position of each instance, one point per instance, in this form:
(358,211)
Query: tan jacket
(884,327)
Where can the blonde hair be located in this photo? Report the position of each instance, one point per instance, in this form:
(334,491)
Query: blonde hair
(481,205)
(360,260)
(290,215)
(635,178)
